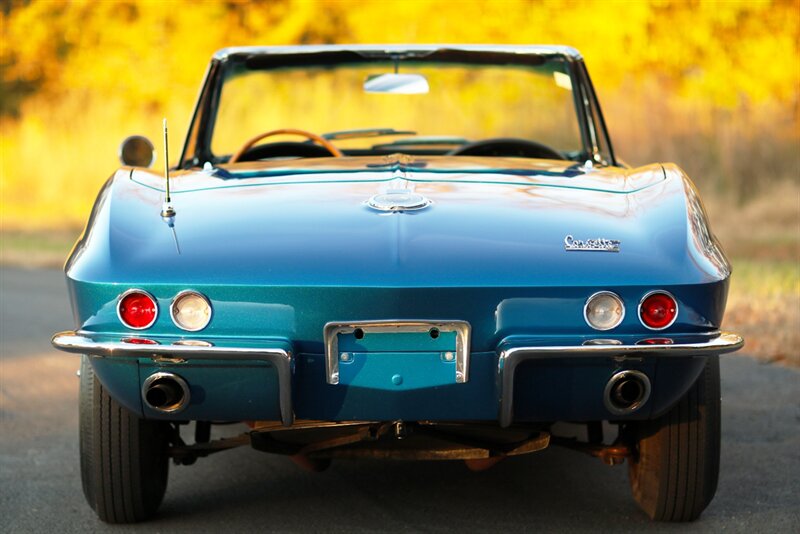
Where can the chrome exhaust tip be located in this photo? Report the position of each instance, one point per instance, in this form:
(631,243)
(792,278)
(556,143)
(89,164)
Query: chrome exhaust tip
(626,392)
(165,392)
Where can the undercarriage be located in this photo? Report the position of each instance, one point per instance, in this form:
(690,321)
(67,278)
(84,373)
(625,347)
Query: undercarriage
(480,445)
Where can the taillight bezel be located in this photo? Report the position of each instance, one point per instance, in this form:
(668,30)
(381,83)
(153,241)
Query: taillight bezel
(147,294)
(650,294)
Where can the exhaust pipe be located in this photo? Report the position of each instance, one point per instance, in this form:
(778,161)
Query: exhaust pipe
(165,392)
(626,392)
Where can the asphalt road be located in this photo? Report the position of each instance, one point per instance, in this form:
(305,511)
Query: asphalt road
(244,490)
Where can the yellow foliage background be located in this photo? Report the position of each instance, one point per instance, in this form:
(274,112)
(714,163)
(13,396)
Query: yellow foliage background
(713,86)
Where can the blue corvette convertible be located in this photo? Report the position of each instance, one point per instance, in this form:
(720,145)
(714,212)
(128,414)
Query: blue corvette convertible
(414,252)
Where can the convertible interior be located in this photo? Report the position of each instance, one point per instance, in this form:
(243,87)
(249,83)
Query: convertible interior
(321,146)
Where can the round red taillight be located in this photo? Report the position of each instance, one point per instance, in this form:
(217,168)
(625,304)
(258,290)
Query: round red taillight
(137,309)
(658,310)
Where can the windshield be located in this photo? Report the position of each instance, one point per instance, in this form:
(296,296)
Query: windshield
(462,104)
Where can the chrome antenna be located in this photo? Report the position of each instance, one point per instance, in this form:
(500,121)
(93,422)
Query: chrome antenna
(167,210)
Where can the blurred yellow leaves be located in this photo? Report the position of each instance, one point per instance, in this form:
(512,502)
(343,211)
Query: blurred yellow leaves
(144,48)
(709,81)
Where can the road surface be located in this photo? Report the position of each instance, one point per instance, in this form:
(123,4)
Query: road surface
(244,490)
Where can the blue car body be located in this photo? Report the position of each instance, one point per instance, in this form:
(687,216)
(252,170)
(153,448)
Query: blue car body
(471,309)
(282,253)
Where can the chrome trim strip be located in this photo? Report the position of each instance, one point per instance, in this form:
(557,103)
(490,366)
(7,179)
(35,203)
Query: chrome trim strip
(78,343)
(586,308)
(388,50)
(639,309)
(184,293)
(332,331)
(142,291)
(509,359)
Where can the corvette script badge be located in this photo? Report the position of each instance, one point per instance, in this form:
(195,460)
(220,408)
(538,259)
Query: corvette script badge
(591,245)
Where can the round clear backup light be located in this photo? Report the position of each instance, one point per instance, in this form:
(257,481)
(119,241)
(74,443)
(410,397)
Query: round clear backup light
(604,311)
(190,311)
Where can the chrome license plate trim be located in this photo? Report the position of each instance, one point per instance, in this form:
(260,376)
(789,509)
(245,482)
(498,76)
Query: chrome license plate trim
(332,330)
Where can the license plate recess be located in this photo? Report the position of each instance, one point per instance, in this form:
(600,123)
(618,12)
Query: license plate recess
(392,352)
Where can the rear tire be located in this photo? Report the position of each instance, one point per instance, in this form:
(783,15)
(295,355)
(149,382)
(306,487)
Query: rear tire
(124,458)
(674,471)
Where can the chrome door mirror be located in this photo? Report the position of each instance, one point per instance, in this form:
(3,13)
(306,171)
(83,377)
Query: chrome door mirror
(137,151)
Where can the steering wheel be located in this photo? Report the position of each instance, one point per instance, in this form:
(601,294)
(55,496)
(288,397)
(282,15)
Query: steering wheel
(308,151)
(507,146)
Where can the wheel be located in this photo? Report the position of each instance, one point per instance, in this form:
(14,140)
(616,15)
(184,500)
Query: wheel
(124,459)
(674,471)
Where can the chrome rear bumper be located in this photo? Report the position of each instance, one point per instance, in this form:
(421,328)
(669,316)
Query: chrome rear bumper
(280,358)
(511,357)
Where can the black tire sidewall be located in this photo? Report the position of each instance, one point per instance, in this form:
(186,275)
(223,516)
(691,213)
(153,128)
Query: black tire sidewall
(675,467)
(124,459)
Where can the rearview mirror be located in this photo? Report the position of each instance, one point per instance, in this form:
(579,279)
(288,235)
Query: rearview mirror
(137,151)
(399,84)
